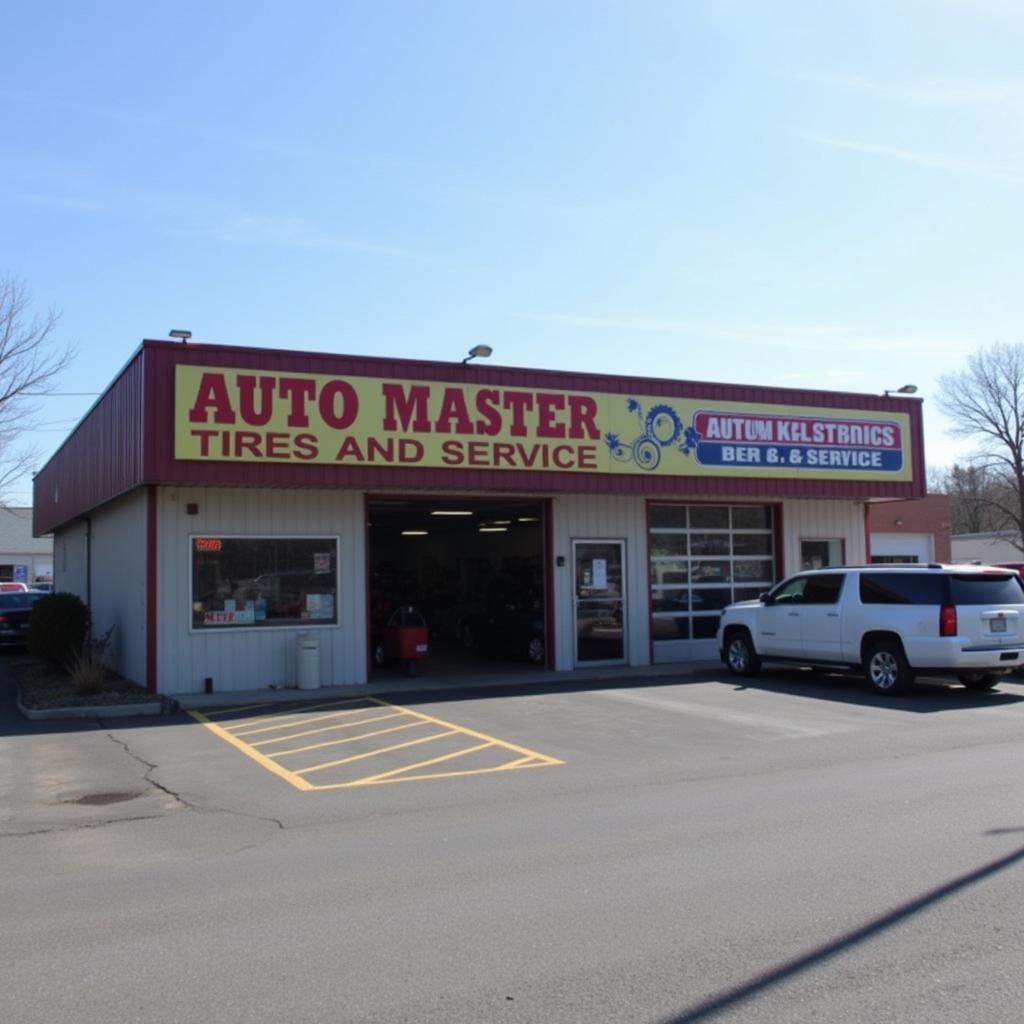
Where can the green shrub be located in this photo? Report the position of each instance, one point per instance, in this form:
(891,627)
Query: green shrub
(57,628)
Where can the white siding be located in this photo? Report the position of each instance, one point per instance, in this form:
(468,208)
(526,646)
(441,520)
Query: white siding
(69,560)
(602,517)
(985,548)
(119,582)
(257,659)
(822,520)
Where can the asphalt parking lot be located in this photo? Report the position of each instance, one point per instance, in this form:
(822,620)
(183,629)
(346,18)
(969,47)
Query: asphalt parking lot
(787,848)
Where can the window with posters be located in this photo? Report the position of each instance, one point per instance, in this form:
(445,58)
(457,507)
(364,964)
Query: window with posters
(261,582)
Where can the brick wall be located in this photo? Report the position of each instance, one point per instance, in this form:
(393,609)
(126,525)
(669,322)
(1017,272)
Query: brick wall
(922,515)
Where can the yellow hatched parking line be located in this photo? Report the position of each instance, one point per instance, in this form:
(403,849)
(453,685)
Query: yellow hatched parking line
(301,721)
(283,725)
(327,728)
(352,739)
(296,708)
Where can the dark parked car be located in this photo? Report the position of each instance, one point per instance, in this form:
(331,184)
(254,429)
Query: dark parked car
(508,622)
(15,609)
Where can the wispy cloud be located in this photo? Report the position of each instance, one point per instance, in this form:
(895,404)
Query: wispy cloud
(909,156)
(839,338)
(929,91)
(298,233)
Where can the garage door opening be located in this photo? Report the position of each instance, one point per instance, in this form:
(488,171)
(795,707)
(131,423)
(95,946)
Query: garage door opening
(472,571)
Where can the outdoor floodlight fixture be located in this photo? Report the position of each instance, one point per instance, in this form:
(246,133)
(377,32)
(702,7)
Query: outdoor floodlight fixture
(183,335)
(478,352)
(907,389)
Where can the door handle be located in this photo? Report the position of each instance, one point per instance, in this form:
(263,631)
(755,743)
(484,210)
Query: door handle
(833,615)
(794,615)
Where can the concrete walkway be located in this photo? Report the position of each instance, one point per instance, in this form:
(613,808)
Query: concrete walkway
(529,678)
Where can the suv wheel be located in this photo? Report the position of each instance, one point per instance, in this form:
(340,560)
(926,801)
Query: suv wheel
(740,656)
(886,668)
(980,680)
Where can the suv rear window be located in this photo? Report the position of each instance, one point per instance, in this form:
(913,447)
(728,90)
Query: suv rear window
(987,588)
(902,588)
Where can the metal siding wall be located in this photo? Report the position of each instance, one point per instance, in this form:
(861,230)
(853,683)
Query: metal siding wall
(119,581)
(602,517)
(101,459)
(255,659)
(821,520)
(69,560)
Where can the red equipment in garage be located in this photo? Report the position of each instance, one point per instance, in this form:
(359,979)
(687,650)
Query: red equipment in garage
(405,638)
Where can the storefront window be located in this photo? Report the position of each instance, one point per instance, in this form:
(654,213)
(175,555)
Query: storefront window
(258,582)
(821,554)
(703,557)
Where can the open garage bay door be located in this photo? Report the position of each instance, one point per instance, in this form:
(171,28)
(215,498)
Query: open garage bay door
(473,571)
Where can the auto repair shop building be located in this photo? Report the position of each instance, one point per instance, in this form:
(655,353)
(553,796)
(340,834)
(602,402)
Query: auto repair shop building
(216,502)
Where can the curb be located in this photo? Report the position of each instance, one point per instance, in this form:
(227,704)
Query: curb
(424,686)
(85,711)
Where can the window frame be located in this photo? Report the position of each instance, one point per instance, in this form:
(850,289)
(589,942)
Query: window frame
(769,560)
(221,630)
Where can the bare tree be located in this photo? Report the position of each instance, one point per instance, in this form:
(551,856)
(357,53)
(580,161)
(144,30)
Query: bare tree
(986,404)
(974,497)
(30,364)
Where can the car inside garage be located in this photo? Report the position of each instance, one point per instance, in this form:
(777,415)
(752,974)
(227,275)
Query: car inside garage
(468,571)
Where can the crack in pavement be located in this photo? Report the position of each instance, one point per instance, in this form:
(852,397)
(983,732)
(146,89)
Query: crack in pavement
(150,768)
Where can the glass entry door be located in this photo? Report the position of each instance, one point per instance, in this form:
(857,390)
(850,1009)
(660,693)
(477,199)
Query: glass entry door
(599,600)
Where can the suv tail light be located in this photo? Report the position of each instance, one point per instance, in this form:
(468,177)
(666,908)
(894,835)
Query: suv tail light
(947,620)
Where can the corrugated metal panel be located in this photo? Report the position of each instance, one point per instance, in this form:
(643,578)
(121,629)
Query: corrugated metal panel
(162,466)
(822,520)
(69,560)
(255,659)
(119,598)
(613,517)
(102,458)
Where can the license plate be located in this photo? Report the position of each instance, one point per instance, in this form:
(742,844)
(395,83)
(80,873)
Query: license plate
(422,648)
(998,625)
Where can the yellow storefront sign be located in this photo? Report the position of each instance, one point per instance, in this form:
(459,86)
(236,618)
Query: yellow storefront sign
(236,415)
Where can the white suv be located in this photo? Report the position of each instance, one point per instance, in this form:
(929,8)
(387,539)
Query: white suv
(892,621)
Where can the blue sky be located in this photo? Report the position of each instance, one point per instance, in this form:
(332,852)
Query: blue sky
(827,195)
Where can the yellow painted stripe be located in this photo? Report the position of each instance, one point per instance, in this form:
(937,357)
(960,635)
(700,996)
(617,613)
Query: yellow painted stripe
(374,753)
(294,722)
(479,735)
(425,764)
(329,728)
(264,762)
(428,776)
(297,708)
(234,711)
(351,739)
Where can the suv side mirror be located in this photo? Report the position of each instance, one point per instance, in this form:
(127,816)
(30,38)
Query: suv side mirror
(764,597)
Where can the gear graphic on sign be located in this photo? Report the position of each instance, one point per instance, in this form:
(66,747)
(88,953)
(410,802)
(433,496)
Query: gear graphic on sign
(660,428)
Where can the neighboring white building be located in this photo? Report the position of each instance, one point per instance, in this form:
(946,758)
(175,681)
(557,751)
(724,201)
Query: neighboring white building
(986,548)
(23,558)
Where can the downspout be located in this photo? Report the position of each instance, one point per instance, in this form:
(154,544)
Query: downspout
(88,562)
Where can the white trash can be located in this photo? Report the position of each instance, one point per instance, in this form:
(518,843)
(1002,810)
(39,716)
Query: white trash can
(307,659)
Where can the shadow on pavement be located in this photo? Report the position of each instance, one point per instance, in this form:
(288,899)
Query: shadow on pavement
(733,997)
(926,697)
